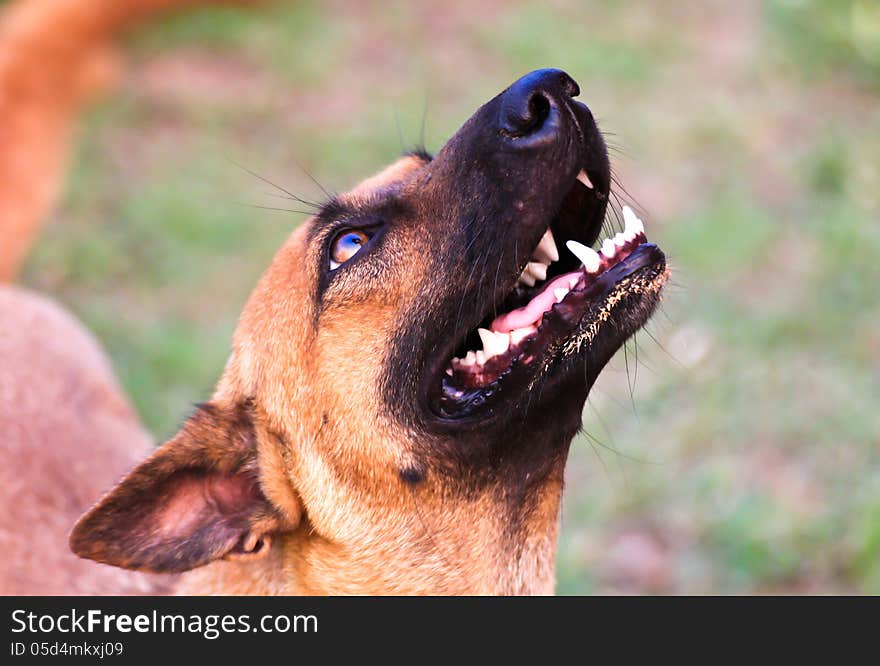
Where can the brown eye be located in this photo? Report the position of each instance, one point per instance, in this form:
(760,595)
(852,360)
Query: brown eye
(345,246)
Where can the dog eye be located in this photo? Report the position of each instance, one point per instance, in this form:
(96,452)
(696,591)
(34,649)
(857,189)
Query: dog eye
(345,246)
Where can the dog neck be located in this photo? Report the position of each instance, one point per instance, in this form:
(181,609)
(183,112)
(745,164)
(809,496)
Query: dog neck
(478,555)
(452,516)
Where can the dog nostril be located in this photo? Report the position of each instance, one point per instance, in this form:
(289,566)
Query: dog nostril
(539,108)
(524,121)
(529,106)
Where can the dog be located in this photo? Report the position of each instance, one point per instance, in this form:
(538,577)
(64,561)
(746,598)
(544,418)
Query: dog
(66,432)
(360,441)
(405,380)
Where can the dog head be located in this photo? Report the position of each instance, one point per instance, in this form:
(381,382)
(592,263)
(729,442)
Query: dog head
(408,375)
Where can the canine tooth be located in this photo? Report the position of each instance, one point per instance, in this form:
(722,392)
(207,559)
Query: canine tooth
(546,250)
(560,293)
(537,269)
(469,359)
(486,336)
(631,222)
(502,342)
(585,179)
(572,282)
(588,256)
(619,240)
(608,248)
(481,357)
(493,343)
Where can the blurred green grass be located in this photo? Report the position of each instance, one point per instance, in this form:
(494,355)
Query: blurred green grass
(734,446)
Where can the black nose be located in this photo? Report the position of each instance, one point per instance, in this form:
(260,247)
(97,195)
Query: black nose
(530,107)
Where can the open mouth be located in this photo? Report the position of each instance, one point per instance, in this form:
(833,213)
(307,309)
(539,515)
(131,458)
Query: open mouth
(554,307)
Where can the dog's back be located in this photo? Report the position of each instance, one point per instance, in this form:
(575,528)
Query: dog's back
(68,435)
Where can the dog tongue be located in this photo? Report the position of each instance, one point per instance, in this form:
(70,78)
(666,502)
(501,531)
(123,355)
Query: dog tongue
(531,313)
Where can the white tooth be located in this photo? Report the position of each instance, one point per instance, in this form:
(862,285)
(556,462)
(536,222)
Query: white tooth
(631,222)
(608,248)
(481,357)
(546,250)
(537,269)
(500,344)
(573,281)
(560,293)
(527,278)
(486,336)
(585,179)
(517,335)
(629,235)
(470,359)
(619,240)
(587,255)
(449,371)
(493,343)
(629,217)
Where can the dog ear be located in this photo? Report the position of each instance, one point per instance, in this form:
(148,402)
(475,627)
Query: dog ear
(196,499)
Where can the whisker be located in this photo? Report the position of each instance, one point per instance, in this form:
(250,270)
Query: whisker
(597,454)
(636,352)
(284,210)
(399,130)
(641,360)
(497,271)
(423,123)
(627,456)
(290,194)
(630,199)
(327,193)
(666,351)
(608,224)
(629,380)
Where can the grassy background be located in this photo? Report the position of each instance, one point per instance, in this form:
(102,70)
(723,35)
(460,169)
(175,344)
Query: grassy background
(735,446)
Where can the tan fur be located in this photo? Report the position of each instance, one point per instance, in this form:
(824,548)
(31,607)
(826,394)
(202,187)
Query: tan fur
(67,433)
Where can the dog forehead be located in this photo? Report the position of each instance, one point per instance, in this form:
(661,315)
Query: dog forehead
(395,173)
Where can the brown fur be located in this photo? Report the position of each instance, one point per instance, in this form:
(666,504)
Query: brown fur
(68,431)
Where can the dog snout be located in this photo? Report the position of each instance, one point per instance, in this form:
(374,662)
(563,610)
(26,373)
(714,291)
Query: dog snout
(530,108)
